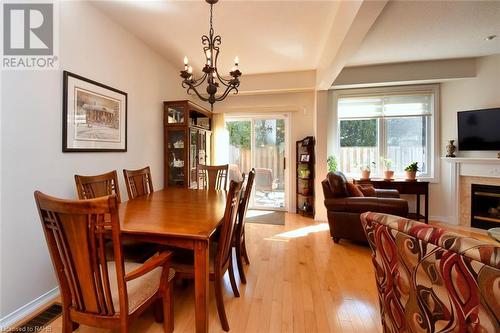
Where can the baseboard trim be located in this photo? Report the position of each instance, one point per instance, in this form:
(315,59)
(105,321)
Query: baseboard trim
(28,309)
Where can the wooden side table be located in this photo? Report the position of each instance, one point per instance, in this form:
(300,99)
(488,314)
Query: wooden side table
(417,188)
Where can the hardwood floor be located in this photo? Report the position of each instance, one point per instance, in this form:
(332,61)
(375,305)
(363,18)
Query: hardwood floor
(298,281)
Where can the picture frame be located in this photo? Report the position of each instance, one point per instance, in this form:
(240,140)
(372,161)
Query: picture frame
(304,157)
(94,116)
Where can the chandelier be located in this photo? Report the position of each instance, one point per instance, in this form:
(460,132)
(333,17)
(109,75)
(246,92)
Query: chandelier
(210,75)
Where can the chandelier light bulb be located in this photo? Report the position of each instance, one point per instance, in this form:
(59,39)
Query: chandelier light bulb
(190,69)
(236,61)
(186,60)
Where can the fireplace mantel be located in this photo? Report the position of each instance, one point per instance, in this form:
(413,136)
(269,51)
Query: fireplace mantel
(467,166)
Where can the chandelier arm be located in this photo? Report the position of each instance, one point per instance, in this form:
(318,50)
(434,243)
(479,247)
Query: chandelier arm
(199,81)
(192,88)
(224,95)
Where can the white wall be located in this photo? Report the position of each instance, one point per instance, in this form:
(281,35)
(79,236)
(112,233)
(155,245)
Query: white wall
(93,46)
(480,92)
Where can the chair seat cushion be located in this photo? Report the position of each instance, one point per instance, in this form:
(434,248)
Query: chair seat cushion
(139,290)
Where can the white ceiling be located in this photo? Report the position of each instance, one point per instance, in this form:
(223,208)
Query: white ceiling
(425,30)
(268,36)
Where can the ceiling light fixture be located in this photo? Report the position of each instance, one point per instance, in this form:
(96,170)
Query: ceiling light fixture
(490,37)
(211,45)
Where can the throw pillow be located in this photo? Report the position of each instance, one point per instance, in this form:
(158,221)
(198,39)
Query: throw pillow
(367,190)
(354,191)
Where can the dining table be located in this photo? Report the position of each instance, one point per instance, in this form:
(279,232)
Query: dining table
(182,218)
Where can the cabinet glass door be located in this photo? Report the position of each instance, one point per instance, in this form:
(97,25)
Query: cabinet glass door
(176,157)
(193,158)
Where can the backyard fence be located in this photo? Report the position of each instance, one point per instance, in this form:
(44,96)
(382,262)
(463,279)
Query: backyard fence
(352,158)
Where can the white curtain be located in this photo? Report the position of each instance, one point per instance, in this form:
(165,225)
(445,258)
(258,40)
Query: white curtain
(220,142)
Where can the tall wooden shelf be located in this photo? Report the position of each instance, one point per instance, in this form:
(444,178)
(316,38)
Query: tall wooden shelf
(305,176)
(187,142)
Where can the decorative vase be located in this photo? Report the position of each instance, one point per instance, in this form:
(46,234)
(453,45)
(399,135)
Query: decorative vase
(411,175)
(365,174)
(450,149)
(388,174)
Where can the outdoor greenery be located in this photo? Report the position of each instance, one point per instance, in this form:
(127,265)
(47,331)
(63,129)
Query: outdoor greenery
(358,133)
(240,136)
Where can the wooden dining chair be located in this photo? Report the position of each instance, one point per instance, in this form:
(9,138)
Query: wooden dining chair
(239,232)
(90,187)
(220,255)
(95,291)
(138,182)
(213,177)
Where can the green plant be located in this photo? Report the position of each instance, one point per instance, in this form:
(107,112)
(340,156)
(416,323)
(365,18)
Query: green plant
(367,167)
(332,163)
(387,163)
(412,167)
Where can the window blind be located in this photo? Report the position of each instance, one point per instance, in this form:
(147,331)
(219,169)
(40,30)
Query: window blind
(385,106)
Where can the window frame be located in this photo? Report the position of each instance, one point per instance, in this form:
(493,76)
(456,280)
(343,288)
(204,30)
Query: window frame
(433,143)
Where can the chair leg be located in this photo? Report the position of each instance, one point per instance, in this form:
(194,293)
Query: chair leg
(233,279)
(239,262)
(68,326)
(168,308)
(220,303)
(244,251)
(158,310)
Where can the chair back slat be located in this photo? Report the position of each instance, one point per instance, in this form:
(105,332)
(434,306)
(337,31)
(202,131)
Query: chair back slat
(243,205)
(224,244)
(139,182)
(75,232)
(213,177)
(91,187)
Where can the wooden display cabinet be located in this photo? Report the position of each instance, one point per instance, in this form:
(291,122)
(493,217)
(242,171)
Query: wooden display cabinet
(187,142)
(305,176)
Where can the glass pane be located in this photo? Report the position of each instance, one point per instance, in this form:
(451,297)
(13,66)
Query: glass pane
(269,154)
(193,156)
(175,139)
(175,115)
(358,145)
(240,144)
(406,140)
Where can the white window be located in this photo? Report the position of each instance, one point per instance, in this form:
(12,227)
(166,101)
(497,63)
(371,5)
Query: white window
(397,124)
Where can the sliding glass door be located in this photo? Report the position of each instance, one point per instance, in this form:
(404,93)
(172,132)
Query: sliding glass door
(261,143)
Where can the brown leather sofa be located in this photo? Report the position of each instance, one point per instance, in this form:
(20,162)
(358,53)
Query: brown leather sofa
(344,210)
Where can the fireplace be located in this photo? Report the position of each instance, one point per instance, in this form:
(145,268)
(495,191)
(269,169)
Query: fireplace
(485,204)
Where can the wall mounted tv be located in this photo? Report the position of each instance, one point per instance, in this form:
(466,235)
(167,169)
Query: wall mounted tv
(479,129)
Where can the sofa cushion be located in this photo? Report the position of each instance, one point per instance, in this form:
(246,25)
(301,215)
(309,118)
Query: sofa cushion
(367,190)
(338,183)
(353,190)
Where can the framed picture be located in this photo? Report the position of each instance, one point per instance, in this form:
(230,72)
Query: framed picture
(94,116)
(304,158)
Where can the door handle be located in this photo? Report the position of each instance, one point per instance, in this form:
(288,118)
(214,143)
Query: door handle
(284,163)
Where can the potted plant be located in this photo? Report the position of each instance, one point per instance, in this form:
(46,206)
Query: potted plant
(305,188)
(411,171)
(366,170)
(388,172)
(332,163)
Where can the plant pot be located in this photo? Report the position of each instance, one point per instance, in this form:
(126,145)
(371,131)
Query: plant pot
(388,175)
(411,175)
(365,174)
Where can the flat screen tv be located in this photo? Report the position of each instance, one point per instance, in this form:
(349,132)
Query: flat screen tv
(479,129)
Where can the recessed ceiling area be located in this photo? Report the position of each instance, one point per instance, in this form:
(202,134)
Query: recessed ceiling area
(426,30)
(268,36)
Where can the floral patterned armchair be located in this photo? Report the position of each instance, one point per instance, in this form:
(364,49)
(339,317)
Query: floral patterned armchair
(431,280)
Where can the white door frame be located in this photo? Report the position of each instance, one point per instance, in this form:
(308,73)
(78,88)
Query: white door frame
(252,117)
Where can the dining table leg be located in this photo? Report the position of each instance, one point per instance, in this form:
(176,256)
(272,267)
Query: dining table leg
(201,276)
